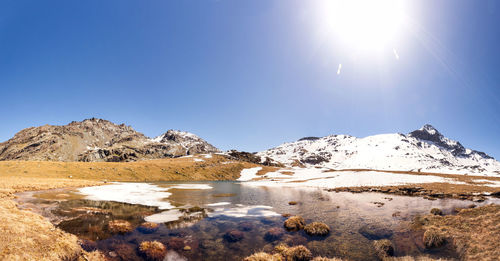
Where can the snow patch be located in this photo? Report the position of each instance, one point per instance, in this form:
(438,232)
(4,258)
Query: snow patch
(132,193)
(249,174)
(191,186)
(322,178)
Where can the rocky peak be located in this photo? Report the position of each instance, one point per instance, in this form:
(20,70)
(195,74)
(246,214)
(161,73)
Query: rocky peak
(192,143)
(427,132)
(431,134)
(98,140)
(178,136)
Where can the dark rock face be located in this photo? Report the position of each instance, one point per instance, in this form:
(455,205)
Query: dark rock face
(252,158)
(315,159)
(429,133)
(98,140)
(309,138)
(192,143)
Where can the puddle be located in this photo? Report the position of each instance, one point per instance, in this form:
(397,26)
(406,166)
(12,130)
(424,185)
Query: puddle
(235,226)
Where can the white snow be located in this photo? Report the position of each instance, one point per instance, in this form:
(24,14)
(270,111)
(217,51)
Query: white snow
(384,152)
(198,160)
(249,174)
(132,193)
(207,156)
(137,193)
(191,186)
(314,177)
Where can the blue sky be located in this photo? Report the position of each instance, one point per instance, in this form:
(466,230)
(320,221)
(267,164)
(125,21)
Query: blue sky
(248,74)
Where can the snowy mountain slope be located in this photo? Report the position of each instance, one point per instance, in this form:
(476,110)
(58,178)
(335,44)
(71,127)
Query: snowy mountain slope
(422,150)
(191,143)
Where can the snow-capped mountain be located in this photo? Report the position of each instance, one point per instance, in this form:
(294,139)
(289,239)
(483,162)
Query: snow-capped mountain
(425,149)
(191,143)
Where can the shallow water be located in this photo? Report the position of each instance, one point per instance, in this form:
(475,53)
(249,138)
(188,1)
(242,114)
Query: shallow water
(355,219)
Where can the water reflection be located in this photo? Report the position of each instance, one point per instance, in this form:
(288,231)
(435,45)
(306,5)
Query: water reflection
(201,226)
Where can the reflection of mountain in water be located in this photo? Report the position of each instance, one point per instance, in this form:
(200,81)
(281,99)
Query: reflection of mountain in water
(89,219)
(186,220)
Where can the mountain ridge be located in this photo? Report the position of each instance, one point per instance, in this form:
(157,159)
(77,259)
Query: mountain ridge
(425,149)
(98,140)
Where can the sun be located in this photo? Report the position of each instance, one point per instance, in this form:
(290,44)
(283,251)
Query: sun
(364,25)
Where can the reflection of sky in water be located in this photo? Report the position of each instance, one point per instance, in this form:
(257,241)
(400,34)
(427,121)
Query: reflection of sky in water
(165,216)
(239,210)
(228,204)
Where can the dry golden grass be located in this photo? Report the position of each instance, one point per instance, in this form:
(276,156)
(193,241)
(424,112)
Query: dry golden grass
(294,223)
(216,168)
(28,236)
(120,226)
(153,250)
(474,232)
(263,256)
(317,229)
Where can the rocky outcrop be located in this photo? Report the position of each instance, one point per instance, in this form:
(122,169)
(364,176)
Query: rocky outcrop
(98,140)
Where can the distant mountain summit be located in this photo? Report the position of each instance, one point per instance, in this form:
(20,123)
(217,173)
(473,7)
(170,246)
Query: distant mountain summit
(98,140)
(425,149)
(191,143)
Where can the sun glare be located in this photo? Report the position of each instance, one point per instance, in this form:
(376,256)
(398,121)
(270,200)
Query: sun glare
(364,24)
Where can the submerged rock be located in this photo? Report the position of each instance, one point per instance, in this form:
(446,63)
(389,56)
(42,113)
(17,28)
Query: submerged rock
(175,243)
(245,226)
(148,227)
(233,236)
(274,234)
(375,232)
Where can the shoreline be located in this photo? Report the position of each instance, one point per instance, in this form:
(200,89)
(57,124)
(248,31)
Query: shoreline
(27,235)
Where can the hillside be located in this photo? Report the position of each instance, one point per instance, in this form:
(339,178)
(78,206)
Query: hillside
(96,140)
(425,149)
